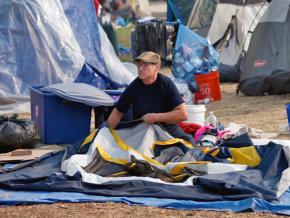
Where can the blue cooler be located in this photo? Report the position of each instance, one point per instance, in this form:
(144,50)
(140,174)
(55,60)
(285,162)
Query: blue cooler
(59,121)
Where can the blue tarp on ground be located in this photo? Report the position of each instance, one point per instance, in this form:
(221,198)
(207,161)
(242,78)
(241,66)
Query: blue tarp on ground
(251,204)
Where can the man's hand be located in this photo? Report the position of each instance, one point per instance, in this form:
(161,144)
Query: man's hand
(150,118)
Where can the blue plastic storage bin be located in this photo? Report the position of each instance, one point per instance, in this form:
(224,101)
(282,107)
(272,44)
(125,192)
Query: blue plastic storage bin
(59,121)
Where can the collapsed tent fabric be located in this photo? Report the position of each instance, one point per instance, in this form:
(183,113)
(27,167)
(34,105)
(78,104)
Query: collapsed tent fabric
(138,158)
(266,66)
(37,47)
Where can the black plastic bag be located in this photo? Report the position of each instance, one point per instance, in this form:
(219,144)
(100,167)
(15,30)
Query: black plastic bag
(16,133)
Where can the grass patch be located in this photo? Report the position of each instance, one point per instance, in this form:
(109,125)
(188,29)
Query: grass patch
(124,39)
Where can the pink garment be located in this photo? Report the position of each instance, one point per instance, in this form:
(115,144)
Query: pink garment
(200,131)
(205,129)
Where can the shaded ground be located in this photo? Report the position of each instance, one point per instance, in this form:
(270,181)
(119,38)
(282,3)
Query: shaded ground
(265,112)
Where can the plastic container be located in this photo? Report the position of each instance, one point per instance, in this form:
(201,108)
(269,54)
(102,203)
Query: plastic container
(212,120)
(59,121)
(208,86)
(196,114)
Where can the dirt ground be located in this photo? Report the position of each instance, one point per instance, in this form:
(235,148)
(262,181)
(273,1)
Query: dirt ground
(114,210)
(265,112)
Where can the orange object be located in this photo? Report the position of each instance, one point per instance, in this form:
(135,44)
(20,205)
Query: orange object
(208,86)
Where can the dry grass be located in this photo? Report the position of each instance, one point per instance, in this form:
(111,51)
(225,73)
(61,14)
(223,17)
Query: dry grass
(262,112)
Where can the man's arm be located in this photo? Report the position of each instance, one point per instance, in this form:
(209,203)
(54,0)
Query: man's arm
(114,118)
(178,114)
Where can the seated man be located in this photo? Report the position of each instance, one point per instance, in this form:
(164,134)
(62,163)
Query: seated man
(154,98)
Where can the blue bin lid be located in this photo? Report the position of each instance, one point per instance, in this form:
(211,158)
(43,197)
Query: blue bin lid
(80,92)
(114,92)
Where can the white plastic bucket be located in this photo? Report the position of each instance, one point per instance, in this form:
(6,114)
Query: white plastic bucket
(196,114)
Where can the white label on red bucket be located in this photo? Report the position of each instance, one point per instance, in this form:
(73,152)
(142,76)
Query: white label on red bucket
(260,63)
(204,89)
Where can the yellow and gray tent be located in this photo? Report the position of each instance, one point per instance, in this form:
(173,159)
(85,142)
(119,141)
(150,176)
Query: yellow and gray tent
(141,150)
(143,160)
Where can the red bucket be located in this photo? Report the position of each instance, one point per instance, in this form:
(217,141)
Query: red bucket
(208,86)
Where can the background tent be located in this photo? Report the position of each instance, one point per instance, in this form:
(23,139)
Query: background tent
(266,66)
(196,14)
(230,31)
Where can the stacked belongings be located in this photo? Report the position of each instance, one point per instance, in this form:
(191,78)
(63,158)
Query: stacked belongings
(193,54)
(154,35)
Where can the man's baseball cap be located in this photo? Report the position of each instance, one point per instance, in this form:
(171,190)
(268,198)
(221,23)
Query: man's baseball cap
(149,57)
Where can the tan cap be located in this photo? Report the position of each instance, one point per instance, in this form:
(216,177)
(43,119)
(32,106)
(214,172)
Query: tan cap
(149,57)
